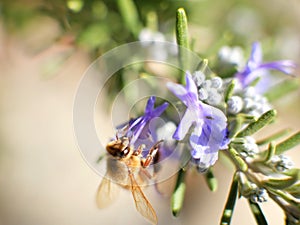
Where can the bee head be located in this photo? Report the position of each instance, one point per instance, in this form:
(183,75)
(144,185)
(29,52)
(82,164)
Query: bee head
(119,148)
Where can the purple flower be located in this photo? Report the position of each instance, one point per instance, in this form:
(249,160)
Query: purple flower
(136,127)
(255,67)
(209,124)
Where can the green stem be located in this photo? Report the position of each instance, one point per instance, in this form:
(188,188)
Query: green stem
(178,193)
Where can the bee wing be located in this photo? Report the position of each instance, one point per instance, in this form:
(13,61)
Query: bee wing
(142,205)
(107,193)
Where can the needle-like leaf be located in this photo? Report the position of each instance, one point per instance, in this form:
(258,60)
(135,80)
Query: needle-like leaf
(130,15)
(211,180)
(178,193)
(229,90)
(239,161)
(258,214)
(273,137)
(253,127)
(229,207)
(182,40)
(288,143)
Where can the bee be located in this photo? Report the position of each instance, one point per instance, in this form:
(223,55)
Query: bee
(124,164)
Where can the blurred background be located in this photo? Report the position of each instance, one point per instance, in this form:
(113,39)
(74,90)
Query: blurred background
(45,48)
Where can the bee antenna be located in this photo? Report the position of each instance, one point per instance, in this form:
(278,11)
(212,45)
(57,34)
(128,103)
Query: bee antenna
(158,143)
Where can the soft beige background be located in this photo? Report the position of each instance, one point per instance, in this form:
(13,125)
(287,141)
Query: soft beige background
(44,179)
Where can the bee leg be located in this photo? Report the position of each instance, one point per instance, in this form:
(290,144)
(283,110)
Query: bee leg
(151,155)
(139,150)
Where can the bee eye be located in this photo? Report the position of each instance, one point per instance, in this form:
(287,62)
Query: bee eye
(125,152)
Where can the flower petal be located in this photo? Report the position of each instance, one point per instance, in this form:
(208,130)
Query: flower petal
(285,66)
(256,55)
(159,110)
(217,122)
(137,126)
(135,132)
(186,122)
(198,140)
(191,86)
(176,89)
(150,104)
(209,136)
(208,159)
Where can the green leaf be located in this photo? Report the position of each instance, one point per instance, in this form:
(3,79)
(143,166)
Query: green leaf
(182,28)
(292,172)
(273,137)
(229,90)
(130,16)
(270,152)
(247,118)
(238,160)
(286,197)
(178,193)
(229,207)
(182,40)
(294,190)
(288,143)
(234,126)
(258,214)
(282,89)
(280,183)
(211,181)
(262,121)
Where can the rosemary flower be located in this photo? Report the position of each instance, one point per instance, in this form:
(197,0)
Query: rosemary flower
(208,125)
(256,68)
(135,128)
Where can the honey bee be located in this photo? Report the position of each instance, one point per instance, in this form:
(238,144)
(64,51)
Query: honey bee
(124,163)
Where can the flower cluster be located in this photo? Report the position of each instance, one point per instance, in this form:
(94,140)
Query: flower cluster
(220,115)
